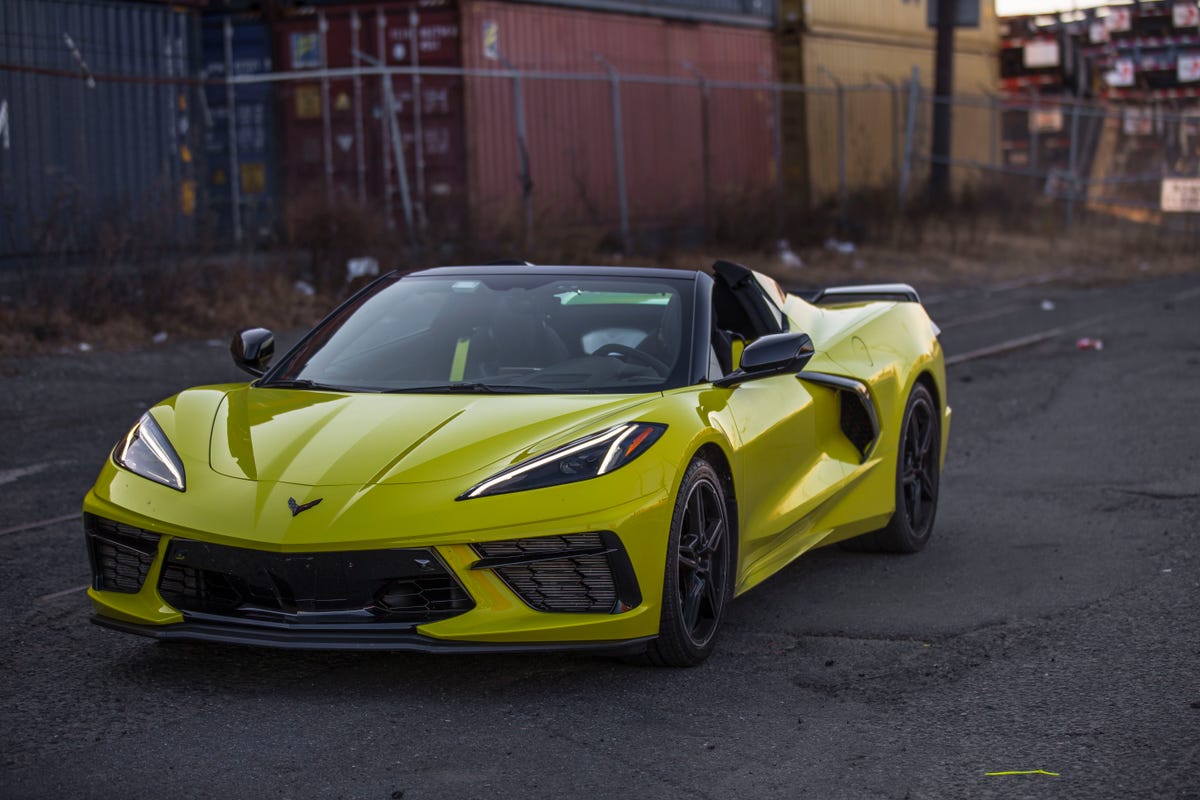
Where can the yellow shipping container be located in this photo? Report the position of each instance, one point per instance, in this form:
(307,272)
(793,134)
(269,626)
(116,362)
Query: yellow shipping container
(859,43)
(883,19)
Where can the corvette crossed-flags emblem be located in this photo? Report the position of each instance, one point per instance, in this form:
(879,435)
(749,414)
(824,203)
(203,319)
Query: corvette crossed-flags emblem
(297,507)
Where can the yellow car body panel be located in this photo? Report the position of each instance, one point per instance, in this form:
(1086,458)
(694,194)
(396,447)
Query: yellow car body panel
(390,472)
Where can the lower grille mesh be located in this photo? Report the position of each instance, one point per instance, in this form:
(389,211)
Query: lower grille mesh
(573,583)
(121,554)
(360,586)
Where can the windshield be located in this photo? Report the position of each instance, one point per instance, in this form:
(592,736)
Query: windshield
(501,333)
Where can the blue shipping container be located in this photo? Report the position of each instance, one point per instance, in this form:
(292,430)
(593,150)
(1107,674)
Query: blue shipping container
(96,134)
(253,131)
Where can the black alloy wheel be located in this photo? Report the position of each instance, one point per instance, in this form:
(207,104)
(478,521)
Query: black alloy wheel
(698,580)
(918,477)
(919,466)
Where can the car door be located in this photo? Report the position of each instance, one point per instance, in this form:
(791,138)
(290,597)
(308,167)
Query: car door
(785,466)
(788,460)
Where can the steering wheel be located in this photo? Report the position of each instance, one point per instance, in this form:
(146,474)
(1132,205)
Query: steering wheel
(615,349)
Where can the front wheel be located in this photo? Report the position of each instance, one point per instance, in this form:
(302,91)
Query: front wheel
(918,476)
(699,571)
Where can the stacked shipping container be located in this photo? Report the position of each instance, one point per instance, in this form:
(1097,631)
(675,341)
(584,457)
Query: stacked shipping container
(338,142)
(96,123)
(459,135)
(693,132)
(240,46)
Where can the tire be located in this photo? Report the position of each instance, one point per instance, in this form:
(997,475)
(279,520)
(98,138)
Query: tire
(918,478)
(698,581)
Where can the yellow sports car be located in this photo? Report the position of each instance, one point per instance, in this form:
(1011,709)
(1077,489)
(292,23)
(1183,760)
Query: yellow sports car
(511,457)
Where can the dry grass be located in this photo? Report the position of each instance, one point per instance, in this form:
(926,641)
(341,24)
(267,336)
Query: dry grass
(127,291)
(127,310)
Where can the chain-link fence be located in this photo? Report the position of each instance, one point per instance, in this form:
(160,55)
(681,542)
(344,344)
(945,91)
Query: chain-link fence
(445,154)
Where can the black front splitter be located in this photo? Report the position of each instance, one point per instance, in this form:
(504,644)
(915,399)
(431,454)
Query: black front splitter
(343,639)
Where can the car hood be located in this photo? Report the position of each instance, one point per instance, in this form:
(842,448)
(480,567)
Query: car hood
(326,438)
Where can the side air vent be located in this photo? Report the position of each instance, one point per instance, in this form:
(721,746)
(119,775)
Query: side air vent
(856,423)
(859,422)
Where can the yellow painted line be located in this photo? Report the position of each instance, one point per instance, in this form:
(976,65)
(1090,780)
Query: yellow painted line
(1024,772)
(40,524)
(459,365)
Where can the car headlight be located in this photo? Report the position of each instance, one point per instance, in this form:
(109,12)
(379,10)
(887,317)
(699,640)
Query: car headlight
(589,457)
(146,451)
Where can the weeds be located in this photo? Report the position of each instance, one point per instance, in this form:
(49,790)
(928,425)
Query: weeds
(137,280)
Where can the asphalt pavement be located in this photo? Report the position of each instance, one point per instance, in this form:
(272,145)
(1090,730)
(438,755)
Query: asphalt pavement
(1052,626)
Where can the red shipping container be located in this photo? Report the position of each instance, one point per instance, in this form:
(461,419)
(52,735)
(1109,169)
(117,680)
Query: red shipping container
(337,144)
(569,122)
(336,137)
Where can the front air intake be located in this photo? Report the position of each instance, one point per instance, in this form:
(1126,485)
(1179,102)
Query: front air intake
(573,573)
(121,555)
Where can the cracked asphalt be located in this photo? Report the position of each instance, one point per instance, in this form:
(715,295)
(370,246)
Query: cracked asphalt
(1052,624)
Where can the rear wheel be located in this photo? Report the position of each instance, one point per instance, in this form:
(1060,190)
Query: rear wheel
(918,476)
(698,579)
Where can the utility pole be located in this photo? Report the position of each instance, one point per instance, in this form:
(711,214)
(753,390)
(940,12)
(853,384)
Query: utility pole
(943,91)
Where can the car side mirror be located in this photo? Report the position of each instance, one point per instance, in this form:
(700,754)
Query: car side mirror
(771,355)
(252,350)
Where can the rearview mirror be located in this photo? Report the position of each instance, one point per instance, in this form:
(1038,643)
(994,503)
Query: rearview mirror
(252,349)
(771,355)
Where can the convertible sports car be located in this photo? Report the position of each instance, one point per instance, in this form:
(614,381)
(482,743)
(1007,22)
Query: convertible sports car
(513,457)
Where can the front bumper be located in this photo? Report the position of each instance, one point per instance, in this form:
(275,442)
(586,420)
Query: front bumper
(502,615)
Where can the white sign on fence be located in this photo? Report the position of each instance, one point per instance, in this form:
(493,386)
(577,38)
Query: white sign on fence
(1185,15)
(1043,53)
(1121,73)
(1119,19)
(1188,67)
(1098,32)
(1181,194)
(1046,120)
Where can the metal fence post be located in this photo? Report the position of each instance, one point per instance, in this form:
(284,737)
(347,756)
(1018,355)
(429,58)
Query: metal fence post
(618,149)
(993,146)
(1073,164)
(393,128)
(914,95)
(360,161)
(326,116)
(843,188)
(418,129)
(235,189)
(776,129)
(1034,131)
(522,151)
(894,89)
(385,152)
(705,146)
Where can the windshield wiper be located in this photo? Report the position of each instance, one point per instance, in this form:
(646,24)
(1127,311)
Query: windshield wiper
(472,388)
(305,383)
